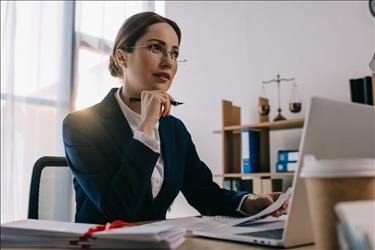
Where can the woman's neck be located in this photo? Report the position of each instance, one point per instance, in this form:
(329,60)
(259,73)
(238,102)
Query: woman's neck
(125,94)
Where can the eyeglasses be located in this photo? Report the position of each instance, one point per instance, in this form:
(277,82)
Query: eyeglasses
(160,51)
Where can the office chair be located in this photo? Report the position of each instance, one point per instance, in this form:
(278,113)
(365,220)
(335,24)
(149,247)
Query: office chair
(40,164)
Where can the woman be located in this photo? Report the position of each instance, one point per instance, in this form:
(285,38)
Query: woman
(131,159)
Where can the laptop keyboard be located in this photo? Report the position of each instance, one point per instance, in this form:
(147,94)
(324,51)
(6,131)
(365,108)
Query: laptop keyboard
(276,234)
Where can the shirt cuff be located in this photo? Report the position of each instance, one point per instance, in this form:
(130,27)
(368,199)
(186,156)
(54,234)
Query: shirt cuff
(240,205)
(147,140)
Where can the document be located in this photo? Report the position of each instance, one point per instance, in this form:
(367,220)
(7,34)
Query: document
(57,234)
(268,210)
(209,222)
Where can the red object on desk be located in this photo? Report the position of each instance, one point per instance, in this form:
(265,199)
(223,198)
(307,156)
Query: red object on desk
(106,227)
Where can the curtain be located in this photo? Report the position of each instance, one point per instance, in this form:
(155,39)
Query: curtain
(35,93)
(54,60)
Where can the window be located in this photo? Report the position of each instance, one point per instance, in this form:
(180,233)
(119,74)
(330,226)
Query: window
(33,99)
(97,24)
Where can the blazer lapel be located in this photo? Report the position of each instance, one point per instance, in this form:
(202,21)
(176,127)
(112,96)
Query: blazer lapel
(168,153)
(114,122)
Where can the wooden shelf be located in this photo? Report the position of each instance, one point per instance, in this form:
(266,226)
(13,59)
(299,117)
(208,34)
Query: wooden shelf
(278,125)
(237,175)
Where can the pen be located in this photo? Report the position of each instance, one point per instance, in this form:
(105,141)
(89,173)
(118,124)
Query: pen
(136,99)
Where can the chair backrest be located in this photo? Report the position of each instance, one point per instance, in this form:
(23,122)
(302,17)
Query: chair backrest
(40,164)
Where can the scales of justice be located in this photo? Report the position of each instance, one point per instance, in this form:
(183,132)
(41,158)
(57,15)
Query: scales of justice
(295,104)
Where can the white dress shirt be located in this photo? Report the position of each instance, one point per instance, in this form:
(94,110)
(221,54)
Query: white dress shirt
(153,142)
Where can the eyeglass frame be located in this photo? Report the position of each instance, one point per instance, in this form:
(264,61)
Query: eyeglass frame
(165,52)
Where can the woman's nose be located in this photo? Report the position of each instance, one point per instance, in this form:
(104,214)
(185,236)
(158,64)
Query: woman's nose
(166,62)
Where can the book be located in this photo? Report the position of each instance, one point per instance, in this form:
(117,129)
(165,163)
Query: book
(250,151)
(247,185)
(266,186)
(368,96)
(236,184)
(361,90)
(227,184)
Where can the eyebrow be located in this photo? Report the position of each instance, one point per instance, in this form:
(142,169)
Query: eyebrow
(162,42)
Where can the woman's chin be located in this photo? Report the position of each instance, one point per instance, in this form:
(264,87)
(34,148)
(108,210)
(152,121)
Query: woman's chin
(162,87)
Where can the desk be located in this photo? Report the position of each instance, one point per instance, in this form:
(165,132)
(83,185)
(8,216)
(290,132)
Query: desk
(201,243)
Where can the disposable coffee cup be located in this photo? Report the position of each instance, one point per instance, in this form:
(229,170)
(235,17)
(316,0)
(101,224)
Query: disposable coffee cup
(330,181)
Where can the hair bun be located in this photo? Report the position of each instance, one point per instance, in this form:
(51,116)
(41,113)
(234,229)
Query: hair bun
(114,69)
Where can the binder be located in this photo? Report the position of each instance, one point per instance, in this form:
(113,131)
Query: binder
(287,155)
(286,166)
(250,151)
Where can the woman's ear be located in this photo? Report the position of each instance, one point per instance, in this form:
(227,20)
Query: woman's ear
(121,57)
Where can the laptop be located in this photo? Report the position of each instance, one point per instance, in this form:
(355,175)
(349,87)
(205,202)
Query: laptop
(332,129)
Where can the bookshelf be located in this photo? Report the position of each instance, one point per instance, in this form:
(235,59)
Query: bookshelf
(231,145)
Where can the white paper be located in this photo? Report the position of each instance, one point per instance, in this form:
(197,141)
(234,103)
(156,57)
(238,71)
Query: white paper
(270,209)
(210,222)
(31,233)
(233,221)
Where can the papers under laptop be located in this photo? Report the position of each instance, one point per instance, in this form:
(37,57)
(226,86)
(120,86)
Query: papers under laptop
(195,224)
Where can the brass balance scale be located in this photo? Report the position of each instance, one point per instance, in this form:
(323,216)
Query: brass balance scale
(295,104)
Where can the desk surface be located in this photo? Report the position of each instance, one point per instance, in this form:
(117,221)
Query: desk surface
(201,243)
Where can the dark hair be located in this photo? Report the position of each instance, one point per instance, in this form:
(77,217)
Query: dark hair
(133,29)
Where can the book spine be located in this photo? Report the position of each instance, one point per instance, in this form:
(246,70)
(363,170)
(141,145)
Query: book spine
(368,97)
(357,90)
(354,90)
(236,185)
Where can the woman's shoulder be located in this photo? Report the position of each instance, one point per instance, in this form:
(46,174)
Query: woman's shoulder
(173,121)
(82,123)
(83,115)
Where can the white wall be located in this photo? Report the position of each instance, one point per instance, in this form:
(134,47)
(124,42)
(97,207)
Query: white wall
(232,46)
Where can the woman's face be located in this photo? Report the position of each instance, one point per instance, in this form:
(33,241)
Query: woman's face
(145,69)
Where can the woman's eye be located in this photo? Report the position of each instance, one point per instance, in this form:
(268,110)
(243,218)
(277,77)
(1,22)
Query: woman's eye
(155,48)
(175,55)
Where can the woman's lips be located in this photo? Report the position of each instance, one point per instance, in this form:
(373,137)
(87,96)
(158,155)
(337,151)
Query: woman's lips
(162,76)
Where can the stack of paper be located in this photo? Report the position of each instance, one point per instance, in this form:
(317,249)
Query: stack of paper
(356,228)
(43,233)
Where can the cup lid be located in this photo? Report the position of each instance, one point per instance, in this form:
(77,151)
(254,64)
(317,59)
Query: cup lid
(331,168)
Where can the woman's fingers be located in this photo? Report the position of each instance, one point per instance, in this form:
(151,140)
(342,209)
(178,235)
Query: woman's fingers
(160,97)
(166,104)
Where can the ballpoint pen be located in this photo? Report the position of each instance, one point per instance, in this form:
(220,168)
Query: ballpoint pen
(136,99)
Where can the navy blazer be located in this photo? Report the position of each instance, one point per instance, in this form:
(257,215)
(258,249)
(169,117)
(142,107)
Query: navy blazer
(112,171)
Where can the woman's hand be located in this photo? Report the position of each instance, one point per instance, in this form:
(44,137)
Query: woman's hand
(253,204)
(154,104)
